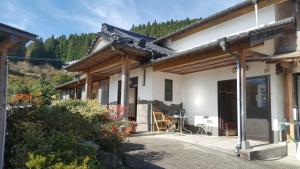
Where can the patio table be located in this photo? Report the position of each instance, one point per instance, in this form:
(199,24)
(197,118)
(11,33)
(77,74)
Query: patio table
(180,120)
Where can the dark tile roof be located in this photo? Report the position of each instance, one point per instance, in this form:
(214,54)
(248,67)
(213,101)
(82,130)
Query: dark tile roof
(130,39)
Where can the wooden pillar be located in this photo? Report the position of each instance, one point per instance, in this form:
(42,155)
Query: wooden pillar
(288,103)
(3,103)
(241,90)
(125,86)
(88,85)
(75,92)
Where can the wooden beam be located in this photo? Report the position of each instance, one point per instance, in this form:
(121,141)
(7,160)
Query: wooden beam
(204,64)
(125,87)
(288,102)
(9,42)
(205,68)
(196,56)
(3,103)
(195,62)
(135,58)
(111,62)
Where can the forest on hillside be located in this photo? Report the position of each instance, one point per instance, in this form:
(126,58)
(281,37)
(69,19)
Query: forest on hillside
(57,51)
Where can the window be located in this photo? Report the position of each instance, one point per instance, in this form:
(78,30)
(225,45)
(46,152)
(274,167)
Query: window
(168,90)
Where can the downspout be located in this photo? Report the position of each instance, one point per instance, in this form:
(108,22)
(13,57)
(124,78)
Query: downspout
(224,46)
(255,2)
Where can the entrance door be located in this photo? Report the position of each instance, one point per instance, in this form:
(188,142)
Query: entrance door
(132,103)
(258,124)
(132,97)
(227,108)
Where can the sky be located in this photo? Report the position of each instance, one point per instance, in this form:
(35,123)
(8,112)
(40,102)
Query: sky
(56,17)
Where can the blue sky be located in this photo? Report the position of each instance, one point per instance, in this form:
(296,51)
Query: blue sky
(47,17)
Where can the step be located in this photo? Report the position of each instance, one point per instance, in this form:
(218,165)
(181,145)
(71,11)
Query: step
(265,152)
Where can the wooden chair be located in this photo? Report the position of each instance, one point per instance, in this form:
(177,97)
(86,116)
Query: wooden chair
(159,121)
(171,123)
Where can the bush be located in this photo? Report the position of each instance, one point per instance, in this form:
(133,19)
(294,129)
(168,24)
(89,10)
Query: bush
(65,135)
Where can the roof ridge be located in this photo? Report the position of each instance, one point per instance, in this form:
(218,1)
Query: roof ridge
(106,25)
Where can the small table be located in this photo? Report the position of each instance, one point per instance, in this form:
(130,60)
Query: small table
(181,123)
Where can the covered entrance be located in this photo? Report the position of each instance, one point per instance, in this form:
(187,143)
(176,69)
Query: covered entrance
(227,108)
(132,97)
(258,124)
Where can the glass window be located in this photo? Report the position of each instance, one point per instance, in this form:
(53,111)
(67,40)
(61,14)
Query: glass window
(168,90)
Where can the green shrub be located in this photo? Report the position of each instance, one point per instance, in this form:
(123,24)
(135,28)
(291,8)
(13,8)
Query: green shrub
(64,135)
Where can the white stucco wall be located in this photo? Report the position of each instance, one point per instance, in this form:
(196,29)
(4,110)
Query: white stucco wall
(159,87)
(200,92)
(144,91)
(231,27)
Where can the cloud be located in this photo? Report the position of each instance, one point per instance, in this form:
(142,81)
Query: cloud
(13,14)
(119,13)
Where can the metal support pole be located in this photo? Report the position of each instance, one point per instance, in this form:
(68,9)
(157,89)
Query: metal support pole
(125,86)
(3,104)
(238,94)
(242,88)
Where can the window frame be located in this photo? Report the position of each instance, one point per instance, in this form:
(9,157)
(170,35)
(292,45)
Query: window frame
(168,94)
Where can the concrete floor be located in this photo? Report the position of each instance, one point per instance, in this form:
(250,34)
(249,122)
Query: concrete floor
(176,152)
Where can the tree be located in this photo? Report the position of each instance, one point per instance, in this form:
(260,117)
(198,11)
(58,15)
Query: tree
(37,52)
(163,28)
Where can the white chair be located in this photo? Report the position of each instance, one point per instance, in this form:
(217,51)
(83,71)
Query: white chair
(203,124)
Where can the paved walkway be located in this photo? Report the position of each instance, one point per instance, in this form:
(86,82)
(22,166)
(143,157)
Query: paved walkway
(191,152)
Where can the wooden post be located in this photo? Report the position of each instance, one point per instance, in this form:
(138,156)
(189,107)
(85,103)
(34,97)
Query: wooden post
(288,103)
(241,74)
(3,103)
(124,86)
(75,92)
(88,85)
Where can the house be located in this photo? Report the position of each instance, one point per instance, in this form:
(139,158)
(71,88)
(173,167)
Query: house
(10,39)
(238,68)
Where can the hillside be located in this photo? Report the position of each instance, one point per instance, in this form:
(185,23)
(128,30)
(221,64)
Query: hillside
(56,51)
(155,29)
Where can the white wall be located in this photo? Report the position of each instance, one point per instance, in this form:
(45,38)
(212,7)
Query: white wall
(144,91)
(234,26)
(200,91)
(159,87)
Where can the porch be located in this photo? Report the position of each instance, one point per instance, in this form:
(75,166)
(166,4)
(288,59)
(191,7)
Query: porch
(172,151)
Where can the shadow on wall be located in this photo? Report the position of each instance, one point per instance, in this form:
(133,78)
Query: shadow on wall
(159,106)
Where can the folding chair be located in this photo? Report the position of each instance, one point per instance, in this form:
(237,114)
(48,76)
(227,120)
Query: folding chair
(203,125)
(159,121)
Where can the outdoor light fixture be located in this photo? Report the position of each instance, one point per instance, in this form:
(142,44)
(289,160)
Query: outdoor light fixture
(223,44)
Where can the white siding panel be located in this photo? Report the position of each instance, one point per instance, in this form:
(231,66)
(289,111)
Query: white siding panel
(231,27)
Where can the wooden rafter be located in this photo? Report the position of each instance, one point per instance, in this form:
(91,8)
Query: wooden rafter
(197,56)
(9,42)
(109,63)
(201,64)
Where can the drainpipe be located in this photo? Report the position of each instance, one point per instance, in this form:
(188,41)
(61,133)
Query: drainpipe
(224,47)
(255,2)
(241,115)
